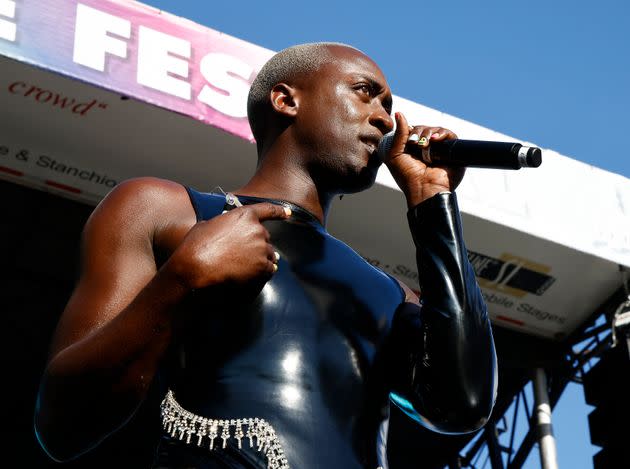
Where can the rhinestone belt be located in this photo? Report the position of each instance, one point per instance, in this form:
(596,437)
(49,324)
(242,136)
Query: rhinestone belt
(182,424)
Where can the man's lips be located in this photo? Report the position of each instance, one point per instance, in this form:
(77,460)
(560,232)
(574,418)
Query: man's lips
(371,143)
(370,147)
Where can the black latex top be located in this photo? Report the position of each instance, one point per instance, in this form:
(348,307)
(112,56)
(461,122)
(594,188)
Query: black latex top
(318,351)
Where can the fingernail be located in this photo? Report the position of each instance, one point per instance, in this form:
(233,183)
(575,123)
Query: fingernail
(435,135)
(276,256)
(287,211)
(413,138)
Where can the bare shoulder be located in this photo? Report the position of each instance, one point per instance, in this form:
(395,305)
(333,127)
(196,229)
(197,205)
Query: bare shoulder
(145,197)
(141,206)
(117,251)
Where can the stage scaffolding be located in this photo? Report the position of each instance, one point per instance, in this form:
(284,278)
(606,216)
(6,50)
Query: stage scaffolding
(497,446)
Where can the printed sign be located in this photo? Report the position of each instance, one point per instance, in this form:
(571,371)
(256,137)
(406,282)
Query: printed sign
(136,50)
(511,274)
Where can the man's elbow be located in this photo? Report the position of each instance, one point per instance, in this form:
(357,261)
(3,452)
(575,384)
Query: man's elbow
(472,407)
(55,443)
(55,453)
(451,409)
(473,397)
(452,416)
(460,418)
(62,439)
(464,417)
(469,417)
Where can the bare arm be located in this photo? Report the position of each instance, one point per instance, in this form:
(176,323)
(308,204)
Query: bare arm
(118,322)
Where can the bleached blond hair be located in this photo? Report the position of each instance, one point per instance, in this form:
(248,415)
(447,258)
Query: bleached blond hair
(285,66)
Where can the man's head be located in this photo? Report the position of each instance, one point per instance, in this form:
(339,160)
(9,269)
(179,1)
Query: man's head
(330,102)
(286,66)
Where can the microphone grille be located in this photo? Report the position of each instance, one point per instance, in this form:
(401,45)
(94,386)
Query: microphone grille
(385,145)
(534,157)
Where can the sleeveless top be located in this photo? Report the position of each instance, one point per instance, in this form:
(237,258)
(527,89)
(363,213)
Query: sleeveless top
(303,352)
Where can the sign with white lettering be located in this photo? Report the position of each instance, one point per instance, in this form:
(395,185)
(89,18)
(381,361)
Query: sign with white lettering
(8,28)
(129,48)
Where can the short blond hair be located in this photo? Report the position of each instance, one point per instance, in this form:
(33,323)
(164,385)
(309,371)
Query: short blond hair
(285,66)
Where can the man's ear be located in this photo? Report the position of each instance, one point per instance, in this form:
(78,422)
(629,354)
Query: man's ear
(284,99)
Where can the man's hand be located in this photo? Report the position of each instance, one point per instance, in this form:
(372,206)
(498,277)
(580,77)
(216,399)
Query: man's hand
(417,180)
(232,248)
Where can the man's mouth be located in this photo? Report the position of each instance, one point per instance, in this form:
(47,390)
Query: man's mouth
(370,144)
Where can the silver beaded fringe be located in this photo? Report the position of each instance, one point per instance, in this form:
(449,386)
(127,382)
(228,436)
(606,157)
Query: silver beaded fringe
(179,423)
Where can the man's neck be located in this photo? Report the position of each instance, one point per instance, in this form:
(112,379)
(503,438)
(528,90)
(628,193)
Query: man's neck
(289,182)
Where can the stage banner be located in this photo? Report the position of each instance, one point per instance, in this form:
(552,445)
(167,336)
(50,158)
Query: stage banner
(135,50)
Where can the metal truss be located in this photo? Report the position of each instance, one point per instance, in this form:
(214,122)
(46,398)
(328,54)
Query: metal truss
(496,446)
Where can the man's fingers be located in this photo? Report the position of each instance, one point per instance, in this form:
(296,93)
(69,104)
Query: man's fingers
(272,254)
(423,135)
(268,211)
(400,135)
(419,135)
(440,133)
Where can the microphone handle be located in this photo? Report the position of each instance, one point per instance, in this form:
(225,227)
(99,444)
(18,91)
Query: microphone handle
(476,153)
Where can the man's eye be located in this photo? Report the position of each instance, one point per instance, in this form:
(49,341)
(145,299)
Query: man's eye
(365,88)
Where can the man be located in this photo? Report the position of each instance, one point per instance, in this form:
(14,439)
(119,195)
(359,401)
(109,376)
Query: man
(280,345)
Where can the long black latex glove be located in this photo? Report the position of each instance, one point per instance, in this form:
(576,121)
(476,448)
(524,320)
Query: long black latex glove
(445,373)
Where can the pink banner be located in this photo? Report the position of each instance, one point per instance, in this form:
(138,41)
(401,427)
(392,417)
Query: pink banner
(137,51)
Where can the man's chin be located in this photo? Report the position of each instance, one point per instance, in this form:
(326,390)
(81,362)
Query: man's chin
(371,170)
(363,180)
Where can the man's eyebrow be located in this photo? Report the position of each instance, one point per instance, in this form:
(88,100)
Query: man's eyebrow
(373,83)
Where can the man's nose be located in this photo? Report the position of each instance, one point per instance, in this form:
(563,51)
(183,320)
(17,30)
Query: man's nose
(381,119)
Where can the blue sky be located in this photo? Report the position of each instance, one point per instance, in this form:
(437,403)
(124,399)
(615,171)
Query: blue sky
(556,73)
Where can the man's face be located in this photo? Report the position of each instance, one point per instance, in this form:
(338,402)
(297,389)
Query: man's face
(344,112)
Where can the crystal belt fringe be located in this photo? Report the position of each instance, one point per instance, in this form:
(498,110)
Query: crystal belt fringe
(179,423)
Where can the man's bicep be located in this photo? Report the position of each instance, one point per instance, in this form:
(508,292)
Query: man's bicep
(116,262)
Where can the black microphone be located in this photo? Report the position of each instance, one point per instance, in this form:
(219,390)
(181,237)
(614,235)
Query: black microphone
(474,153)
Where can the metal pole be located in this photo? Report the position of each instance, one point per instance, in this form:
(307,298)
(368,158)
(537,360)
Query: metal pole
(546,441)
(494,450)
